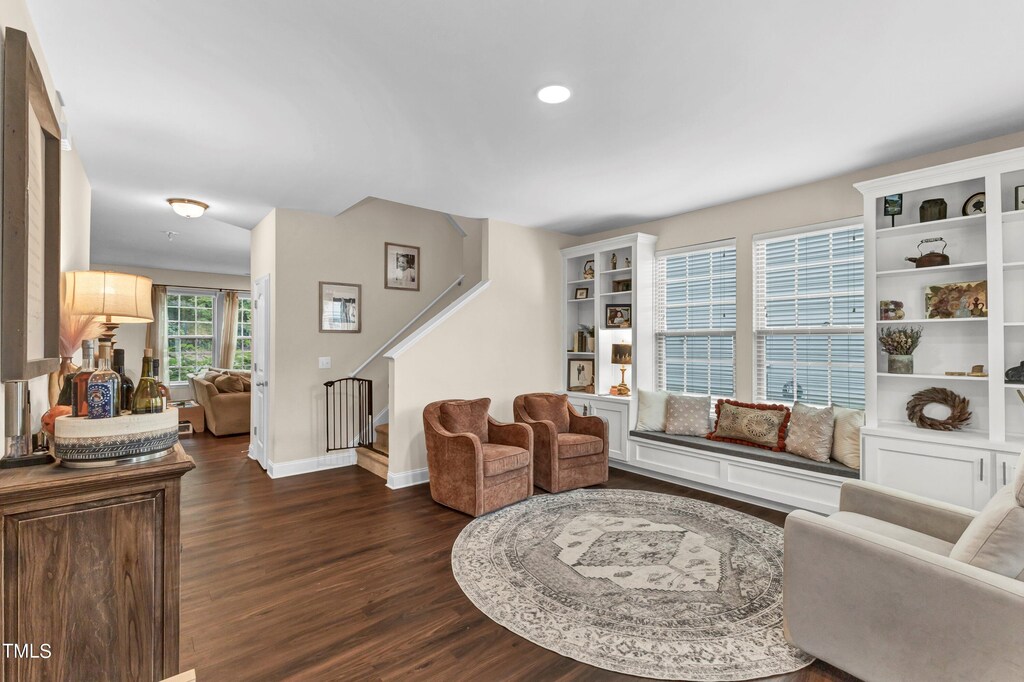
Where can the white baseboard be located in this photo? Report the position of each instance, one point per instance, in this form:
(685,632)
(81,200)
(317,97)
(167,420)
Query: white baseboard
(295,467)
(405,479)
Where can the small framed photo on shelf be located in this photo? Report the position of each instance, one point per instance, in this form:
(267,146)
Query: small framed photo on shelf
(340,307)
(622,285)
(892,205)
(620,316)
(1018,198)
(588,270)
(582,293)
(580,375)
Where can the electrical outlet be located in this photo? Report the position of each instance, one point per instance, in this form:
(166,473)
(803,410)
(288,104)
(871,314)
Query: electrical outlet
(325,363)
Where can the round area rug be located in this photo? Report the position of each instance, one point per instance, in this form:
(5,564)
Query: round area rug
(636,582)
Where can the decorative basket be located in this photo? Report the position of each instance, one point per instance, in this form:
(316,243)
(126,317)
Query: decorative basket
(80,441)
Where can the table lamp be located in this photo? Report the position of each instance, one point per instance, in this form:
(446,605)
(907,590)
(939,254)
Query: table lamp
(622,354)
(114,298)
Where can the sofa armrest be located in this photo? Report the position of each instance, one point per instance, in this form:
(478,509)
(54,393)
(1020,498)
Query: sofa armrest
(518,435)
(931,517)
(881,609)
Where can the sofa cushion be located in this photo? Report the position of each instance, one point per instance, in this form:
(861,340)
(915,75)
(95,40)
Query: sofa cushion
(895,532)
(578,445)
(246,383)
(227,383)
(211,376)
(994,540)
(687,415)
(466,416)
(846,436)
(650,410)
(810,432)
(499,459)
(550,408)
(762,426)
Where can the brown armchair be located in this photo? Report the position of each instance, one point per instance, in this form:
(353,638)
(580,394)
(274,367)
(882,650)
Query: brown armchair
(476,464)
(569,450)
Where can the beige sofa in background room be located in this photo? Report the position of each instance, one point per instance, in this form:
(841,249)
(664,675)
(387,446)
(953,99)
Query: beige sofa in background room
(225,397)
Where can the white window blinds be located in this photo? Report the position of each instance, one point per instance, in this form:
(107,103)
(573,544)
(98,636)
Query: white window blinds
(695,320)
(809,317)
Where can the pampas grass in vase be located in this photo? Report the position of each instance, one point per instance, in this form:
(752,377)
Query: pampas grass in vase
(74,329)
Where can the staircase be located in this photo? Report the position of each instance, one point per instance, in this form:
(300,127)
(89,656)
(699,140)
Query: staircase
(375,460)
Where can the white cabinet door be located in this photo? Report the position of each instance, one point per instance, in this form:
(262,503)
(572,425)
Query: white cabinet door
(958,475)
(617,415)
(1006,468)
(581,406)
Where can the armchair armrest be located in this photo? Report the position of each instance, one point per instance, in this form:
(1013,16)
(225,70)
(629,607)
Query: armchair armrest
(519,435)
(591,425)
(881,609)
(931,517)
(454,443)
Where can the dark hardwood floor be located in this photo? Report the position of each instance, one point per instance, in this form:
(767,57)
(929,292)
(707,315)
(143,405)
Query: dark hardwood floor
(332,576)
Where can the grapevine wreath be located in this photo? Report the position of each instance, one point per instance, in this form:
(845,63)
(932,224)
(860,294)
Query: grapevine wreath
(959,409)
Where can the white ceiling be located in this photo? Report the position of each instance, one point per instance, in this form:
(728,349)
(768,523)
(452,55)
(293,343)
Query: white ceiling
(677,105)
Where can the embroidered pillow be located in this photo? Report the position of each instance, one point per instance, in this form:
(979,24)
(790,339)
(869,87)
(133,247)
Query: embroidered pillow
(810,432)
(650,411)
(763,426)
(687,415)
(846,438)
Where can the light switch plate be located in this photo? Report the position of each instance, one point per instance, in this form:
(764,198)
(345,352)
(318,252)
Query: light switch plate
(325,363)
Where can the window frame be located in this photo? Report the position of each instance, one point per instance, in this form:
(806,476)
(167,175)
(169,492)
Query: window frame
(243,296)
(218,307)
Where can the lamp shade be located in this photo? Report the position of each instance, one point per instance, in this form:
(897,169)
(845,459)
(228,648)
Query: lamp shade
(115,297)
(622,353)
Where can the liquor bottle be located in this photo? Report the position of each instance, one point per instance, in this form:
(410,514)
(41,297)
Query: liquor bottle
(104,388)
(79,399)
(127,385)
(147,397)
(165,392)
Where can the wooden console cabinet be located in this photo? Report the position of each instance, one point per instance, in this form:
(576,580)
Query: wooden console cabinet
(90,568)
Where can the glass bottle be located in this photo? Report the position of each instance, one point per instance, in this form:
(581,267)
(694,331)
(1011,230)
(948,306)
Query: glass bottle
(79,399)
(127,385)
(165,393)
(104,388)
(147,399)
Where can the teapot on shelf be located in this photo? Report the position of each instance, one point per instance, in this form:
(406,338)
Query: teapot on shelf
(932,258)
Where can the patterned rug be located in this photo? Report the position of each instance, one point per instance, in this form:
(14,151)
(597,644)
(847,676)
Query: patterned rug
(635,582)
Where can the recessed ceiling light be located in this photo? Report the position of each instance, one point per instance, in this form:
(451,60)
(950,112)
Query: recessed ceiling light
(554,94)
(188,208)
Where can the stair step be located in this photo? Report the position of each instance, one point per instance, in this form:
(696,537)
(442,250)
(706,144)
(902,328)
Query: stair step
(381,443)
(374,462)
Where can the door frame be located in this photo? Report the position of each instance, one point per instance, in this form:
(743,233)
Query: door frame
(261,326)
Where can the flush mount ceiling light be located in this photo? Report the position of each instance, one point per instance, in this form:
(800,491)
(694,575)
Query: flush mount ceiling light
(188,208)
(554,94)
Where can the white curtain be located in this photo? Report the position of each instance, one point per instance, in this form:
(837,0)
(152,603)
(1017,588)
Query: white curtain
(156,331)
(228,331)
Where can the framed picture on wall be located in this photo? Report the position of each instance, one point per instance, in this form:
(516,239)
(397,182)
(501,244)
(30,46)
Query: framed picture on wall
(341,307)
(580,375)
(401,267)
(620,316)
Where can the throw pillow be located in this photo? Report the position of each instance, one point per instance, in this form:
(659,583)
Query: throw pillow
(466,416)
(211,376)
(687,415)
(994,540)
(763,426)
(810,432)
(846,436)
(228,383)
(650,411)
(550,408)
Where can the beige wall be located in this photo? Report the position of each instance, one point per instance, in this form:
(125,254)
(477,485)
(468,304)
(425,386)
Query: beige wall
(818,202)
(132,337)
(501,343)
(309,248)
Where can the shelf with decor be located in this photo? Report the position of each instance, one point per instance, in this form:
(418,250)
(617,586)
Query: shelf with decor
(966,218)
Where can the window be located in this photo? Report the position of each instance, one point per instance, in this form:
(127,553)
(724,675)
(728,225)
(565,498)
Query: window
(695,320)
(243,331)
(809,317)
(190,334)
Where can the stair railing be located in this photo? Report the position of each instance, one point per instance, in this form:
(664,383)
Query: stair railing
(349,418)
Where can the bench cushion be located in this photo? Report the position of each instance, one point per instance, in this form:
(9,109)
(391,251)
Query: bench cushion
(748,452)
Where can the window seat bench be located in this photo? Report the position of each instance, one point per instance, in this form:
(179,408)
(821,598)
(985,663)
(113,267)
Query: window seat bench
(774,479)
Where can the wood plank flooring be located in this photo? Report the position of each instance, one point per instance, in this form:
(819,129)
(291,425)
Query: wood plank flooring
(332,576)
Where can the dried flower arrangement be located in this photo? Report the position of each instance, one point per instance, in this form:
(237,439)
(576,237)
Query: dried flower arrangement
(900,340)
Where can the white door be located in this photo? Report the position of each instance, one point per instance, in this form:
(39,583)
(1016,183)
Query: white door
(260,369)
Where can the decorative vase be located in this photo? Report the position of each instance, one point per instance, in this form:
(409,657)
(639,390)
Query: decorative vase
(901,364)
(57,378)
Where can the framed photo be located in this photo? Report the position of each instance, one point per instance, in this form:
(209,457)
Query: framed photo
(892,205)
(620,316)
(588,270)
(341,307)
(622,285)
(959,299)
(580,375)
(582,293)
(30,298)
(974,205)
(1018,198)
(401,267)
